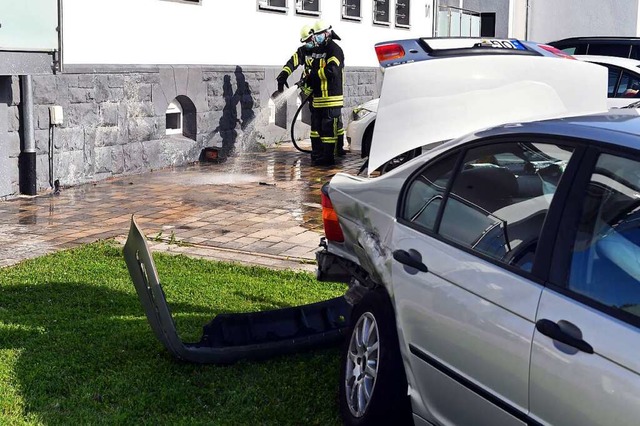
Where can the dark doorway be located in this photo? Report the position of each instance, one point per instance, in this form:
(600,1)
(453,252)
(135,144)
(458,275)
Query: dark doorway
(488,24)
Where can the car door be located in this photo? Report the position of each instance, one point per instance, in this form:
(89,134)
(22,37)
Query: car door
(468,322)
(585,363)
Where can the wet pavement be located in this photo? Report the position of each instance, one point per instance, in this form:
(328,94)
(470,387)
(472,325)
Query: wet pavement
(255,208)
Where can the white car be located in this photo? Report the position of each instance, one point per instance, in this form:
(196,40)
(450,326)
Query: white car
(624,78)
(360,129)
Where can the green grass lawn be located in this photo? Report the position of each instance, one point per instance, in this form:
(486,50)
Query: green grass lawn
(76,348)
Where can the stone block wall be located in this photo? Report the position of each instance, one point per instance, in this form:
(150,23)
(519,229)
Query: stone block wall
(115,123)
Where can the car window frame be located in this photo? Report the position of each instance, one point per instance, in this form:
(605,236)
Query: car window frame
(561,254)
(543,257)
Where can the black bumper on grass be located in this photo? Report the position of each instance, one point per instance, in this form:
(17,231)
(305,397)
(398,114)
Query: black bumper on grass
(231,337)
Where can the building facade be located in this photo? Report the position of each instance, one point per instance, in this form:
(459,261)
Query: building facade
(105,88)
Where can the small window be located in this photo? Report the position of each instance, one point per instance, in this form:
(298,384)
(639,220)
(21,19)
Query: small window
(500,197)
(273,5)
(180,118)
(629,86)
(402,13)
(308,7)
(605,263)
(351,10)
(609,49)
(424,194)
(488,24)
(174,118)
(381,12)
(614,76)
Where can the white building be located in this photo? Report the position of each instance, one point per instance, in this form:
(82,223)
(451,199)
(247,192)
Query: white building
(149,83)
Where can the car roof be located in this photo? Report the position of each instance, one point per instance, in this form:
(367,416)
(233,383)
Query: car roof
(620,127)
(596,39)
(426,48)
(630,64)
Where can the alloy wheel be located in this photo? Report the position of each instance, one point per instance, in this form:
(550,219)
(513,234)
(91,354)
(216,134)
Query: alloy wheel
(362,364)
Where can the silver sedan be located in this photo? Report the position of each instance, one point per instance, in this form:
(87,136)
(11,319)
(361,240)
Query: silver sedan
(495,279)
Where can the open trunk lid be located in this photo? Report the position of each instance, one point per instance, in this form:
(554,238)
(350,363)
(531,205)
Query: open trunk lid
(443,98)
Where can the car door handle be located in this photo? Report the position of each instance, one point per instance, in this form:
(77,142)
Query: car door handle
(555,332)
(406,258)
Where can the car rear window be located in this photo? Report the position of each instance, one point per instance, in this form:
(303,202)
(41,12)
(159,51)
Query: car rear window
(610,49)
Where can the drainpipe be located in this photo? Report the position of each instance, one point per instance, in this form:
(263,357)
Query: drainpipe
(27,159)
(526,21)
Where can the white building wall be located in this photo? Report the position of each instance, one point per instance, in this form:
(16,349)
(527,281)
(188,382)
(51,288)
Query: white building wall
(518,19)
(217,32)
(553,19)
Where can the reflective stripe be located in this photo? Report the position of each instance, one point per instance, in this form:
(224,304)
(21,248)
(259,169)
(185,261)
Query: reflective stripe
(328,102)
(324,87)
(340,131)
(314,134)
(287,69)
(334,59)
(331,139)
(295,60)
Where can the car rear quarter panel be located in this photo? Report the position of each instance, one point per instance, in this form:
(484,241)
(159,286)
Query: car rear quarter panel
(366,209)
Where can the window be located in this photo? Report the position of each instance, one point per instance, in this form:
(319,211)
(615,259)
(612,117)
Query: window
(381,12)
(629,86)
(174,118)
(614,76)
(273,5)
(308,7)
(456,22)
(425,194)
(402,13)
(488,24)
(605,262)
(180,118)
(351,10)
(500,197)
(614,49)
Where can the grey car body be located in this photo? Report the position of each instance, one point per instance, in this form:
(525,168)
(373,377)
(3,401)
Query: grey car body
(472,329)
(507,263)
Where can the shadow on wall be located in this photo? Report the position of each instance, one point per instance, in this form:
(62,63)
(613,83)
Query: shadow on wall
(227,126)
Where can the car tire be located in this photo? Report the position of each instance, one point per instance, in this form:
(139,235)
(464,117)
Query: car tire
(386,401)
(366,141)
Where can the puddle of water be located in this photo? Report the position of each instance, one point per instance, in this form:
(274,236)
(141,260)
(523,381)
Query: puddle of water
(219,179)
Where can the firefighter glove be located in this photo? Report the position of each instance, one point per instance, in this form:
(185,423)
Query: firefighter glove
(282,80)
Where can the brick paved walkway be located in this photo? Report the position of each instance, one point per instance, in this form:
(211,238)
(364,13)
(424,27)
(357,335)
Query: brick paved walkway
(258,208)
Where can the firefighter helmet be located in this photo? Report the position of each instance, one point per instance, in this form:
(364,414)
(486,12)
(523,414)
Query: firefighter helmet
(320,26)
(305,33)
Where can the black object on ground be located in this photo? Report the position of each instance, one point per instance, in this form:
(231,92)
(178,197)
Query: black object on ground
(232,337)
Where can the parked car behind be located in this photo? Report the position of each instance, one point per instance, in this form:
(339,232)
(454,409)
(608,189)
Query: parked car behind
(495,278)
(623,78)
(360,128)
(623,47)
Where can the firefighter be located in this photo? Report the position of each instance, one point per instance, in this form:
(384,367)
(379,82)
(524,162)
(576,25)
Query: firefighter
(326,82)
(302,56)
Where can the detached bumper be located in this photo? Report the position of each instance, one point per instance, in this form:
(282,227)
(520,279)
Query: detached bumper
(232,337)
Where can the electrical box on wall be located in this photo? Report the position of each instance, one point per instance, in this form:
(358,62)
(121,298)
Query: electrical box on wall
(55,113)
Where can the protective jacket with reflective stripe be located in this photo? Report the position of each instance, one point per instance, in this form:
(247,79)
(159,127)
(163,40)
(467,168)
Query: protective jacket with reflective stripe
(326,76)
(302,56)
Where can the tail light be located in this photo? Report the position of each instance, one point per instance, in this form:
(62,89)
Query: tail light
(387,52)
(332,229)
